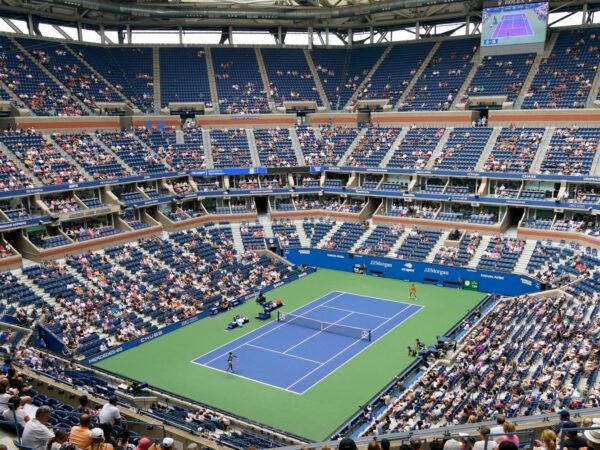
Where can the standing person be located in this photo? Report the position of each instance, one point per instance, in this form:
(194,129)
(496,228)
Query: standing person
(230,359)
(499,428)
(412,293)
(109,415)
(36,433)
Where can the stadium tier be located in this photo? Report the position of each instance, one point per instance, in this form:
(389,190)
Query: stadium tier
(246,231)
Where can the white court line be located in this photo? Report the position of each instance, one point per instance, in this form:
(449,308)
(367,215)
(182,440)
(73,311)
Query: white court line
(262,334)
(315,334)
(354,356)
(280,353)
(249,379)
(377,298)
(355,312)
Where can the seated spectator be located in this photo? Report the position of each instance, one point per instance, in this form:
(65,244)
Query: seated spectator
(5,395)
(571,439)
(593,436)
(548,441)
(485,443)
(98,442)
(143,444)
(16,410)
(509,434)
(61,441)
(37,434)
(81,435)
(347,444)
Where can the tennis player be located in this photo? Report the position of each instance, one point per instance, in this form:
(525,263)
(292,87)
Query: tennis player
(412,293)
(230,359)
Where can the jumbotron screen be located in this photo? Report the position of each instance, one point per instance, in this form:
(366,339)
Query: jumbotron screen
(512,24)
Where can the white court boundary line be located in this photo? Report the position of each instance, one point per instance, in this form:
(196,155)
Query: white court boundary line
(286,389)
(377,298)
(285,354)
(354,312)
(351,345)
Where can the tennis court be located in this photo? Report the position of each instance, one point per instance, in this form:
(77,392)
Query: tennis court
(167,362)
(311,342)
(513,25)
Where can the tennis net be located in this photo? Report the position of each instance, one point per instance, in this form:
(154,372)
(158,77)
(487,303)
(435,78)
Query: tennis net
(328,327)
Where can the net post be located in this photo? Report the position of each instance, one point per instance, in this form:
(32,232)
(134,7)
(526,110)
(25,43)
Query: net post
(278,316)
(369,335)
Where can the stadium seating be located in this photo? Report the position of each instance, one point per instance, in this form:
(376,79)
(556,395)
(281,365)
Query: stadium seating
(133,152)
(71,72)
(316,229)
(287,233)
(463,149)
(564,78)
(418,244)
(501,254)
(239,84)
(127,69)
(89,154)
(439,83)
(345,236)
(289,75)
(453,256)
(514,150)
(571,151)
(33,86)
(253,235)
(394,74)
(416,148)
(183,75)
(275,148)
(11,177)
(381,240)
(187,156)
(41,157)
(342,70)
(501,75)
(230,148)
(372,147)
(334,143)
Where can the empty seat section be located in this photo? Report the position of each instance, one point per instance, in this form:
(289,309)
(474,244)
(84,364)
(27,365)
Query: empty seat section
(341,70)
(183,75)
(290,77)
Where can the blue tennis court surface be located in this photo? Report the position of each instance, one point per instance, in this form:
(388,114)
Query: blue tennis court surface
(294,357)
(513,25)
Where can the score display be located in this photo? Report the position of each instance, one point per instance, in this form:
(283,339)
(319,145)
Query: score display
(504,23)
